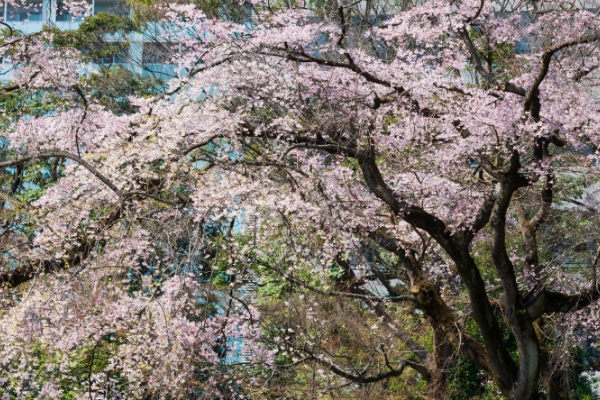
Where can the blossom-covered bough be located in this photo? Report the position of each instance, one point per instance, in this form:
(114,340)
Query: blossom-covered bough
(421,132)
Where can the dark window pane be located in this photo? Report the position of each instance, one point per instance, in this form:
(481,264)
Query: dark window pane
(111,7)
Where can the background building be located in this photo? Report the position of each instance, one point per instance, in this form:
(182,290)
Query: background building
(147,53)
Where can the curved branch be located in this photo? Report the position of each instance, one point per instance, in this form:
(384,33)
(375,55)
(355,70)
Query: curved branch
(548,301)
(521,326)
(499,363)
(198,145)
(483,215)
(412,363)
(546,200)
(64,154)
(74,257)
(12,32)
(504,86)
(533,91)
(474,17)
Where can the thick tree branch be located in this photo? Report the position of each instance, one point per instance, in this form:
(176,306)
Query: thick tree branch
(546,203)
(441,317)
(393,246)
(343,26)
(504,86)
(500,365)
(529,367)
(484,214)
(529,229)
(548,301)
(531,102)
(594,267)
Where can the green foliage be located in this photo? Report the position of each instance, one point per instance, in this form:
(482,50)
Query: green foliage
(467,382)
(75,368)
(26,185)
(113,86)
(580,383)
(496,57)
(89,37)
(227,10)
(16,103)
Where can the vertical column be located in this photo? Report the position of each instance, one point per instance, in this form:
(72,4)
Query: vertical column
(49,12)
(136,50)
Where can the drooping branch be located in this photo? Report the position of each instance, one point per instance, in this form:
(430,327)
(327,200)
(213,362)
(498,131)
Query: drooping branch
(74,257)
(63,154)
(414,364)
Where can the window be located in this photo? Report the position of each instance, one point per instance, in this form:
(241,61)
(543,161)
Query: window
(121,58)
(115,7)
(24,10)
(69,14)
(156,53)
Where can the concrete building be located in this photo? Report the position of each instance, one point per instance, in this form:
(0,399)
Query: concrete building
(146,55)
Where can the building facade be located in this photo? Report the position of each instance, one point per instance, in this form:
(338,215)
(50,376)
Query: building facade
(146,54)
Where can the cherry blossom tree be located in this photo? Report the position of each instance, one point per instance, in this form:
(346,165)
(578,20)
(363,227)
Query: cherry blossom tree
(419,158)
(118,309)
